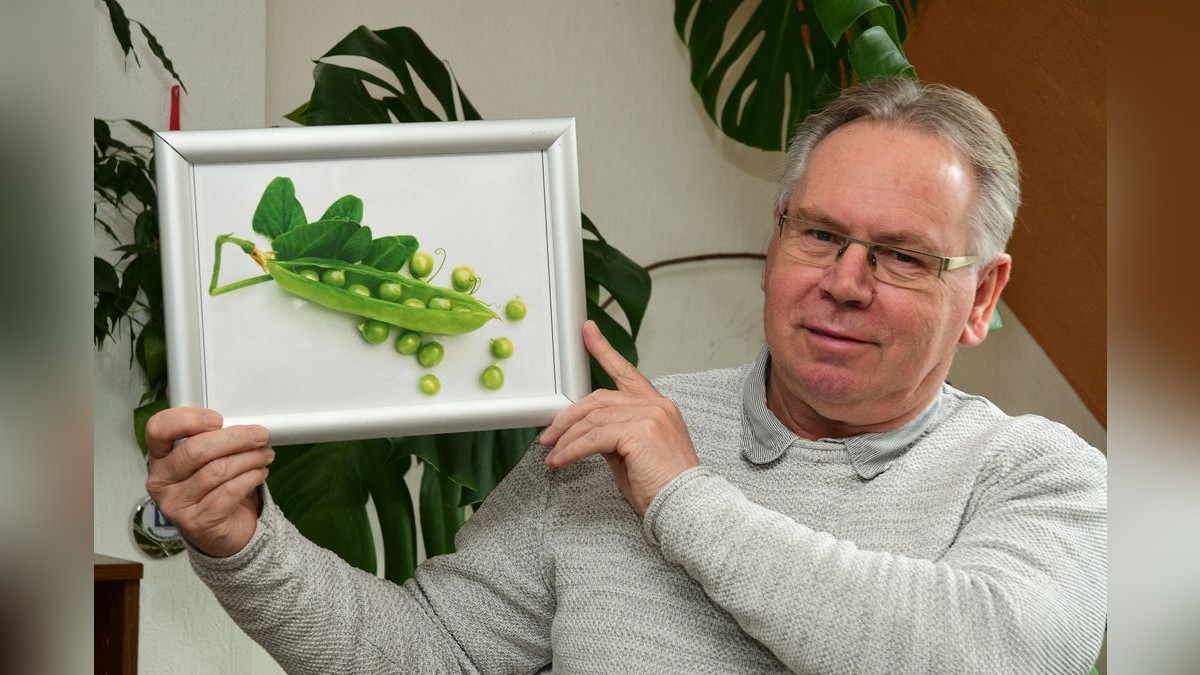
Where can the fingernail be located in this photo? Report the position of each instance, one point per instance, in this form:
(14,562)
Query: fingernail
(259,435)
(270,455)
(212,419)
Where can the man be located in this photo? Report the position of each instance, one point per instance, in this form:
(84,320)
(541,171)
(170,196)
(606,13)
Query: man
(832,507)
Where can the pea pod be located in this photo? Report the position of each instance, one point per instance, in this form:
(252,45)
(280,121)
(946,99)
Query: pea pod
(288,275)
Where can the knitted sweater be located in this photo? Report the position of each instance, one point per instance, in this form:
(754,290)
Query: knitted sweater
(982,549)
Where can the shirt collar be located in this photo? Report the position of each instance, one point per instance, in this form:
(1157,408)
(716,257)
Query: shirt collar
(765,438)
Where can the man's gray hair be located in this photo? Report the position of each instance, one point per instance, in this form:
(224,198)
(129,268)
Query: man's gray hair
(951,114)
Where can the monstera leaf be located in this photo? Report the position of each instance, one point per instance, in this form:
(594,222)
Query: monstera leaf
(324,488)
(761,66)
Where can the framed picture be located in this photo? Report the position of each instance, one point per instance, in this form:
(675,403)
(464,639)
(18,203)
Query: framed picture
(336,283)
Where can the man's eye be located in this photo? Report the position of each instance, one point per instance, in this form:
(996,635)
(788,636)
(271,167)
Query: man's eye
(900,257)
(820,235)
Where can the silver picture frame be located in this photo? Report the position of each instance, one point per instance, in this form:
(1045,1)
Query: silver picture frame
(499,196)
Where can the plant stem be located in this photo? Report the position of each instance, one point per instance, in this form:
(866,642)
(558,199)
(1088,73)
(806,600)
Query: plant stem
(246,246)
(692,259)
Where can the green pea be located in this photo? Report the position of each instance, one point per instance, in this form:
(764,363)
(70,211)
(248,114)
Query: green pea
(438,302)
(408,342)
(463,279)
(390,291)
(310,274)
(415,302)
(374,331)
(359,289)
(515,309)
(492,377)
(333,278)
(461,308)
(421,264)
(429,384)
(430,354)
(502,348)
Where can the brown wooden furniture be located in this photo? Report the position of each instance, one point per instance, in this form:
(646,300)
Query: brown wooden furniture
(116,605)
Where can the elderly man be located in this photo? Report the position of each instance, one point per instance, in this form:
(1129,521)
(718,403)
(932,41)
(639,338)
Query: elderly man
(834,506)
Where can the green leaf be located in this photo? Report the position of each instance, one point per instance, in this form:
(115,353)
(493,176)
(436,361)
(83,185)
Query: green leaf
(151,350)
(873,54)
(837,16)
(321,489)
(145,130)
(628,282)
(120,26)
(393,505)
(141,415)
(101,134)
(761,68)
(322,239)
(278,210)
(349,207)
(162,55)
(105,277)
(356,247)
(589,226)
(441,516)
(339,97)
(390,253)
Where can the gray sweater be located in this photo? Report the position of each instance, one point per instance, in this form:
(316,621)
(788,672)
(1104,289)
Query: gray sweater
(982,548)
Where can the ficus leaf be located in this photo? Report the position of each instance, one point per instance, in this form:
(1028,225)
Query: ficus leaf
(162,55)
(120,26)
(278,210)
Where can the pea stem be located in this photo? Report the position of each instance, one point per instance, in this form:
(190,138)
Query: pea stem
(249,248)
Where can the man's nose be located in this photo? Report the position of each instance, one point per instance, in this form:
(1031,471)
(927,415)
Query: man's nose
(850,279)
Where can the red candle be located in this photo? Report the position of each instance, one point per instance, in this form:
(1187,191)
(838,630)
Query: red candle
(174,108)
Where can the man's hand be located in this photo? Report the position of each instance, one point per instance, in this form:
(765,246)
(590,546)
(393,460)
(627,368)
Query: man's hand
(639,432)
(208,484)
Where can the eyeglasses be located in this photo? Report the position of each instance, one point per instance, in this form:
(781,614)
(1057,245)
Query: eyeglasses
(808,243)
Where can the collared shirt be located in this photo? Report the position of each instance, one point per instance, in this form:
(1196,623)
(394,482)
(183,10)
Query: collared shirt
(765,438)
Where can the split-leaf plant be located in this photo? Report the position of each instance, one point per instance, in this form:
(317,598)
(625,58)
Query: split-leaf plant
(761,66)
(324,488)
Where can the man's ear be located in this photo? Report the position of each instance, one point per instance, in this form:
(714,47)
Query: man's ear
(766,268)
(987,295)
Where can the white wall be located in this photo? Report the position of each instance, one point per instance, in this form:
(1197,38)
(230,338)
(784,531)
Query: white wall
(217,47)
(655,175)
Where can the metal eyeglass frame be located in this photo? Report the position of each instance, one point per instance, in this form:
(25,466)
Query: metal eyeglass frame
(948,263)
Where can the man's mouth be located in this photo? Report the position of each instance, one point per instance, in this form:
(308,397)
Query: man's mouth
(833,334)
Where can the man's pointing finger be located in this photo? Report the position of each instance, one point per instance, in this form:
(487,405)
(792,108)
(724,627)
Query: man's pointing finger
(624,374)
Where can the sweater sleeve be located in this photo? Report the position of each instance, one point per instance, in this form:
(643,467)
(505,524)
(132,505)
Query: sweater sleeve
(483,610)
(1022,589)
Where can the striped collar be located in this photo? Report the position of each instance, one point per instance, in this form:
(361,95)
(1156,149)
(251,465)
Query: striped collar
(765,439)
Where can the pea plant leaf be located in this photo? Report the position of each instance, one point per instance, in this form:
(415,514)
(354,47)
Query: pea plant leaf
(321,239)
(390,253)
(349,207)
(356,246)
(278,209)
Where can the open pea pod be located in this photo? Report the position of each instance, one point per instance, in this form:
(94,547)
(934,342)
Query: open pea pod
(465,313)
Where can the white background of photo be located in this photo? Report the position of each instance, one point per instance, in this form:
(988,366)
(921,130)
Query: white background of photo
(268,351)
